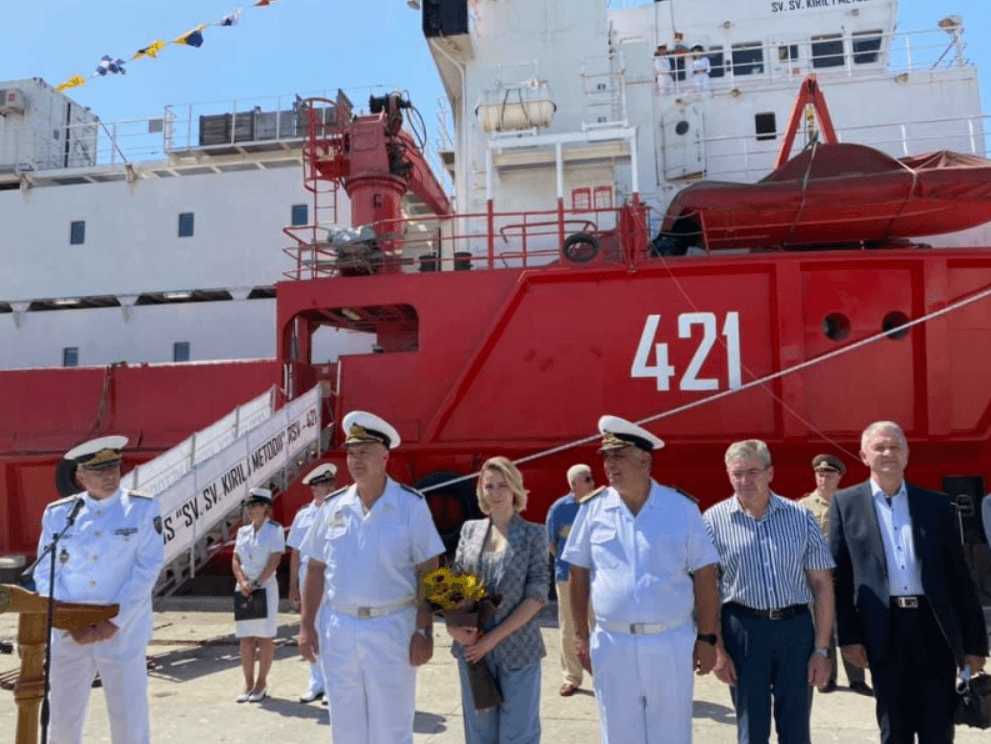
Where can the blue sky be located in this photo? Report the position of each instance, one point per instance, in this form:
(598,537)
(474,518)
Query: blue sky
(291,46)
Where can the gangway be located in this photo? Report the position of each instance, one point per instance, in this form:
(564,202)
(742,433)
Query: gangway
(200,483)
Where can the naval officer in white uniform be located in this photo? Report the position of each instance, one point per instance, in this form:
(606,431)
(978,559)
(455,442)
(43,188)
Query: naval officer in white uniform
(373,543)
(322,481)
(644,550)
(112,554)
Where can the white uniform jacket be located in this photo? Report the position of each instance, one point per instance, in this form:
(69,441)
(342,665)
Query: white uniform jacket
(112,554)
(371,559)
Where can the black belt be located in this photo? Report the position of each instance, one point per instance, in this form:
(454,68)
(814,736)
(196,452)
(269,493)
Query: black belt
(783,613)
(907,603)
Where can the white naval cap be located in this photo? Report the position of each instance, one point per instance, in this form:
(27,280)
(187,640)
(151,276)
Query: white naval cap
(321,474)
(97,454)
(618,433)
(362,427)
(258,496)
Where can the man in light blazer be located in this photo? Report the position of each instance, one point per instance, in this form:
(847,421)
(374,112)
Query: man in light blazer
(905,602)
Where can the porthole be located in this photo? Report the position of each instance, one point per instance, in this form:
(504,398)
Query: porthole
(681,127)
(893,325)
(836,326)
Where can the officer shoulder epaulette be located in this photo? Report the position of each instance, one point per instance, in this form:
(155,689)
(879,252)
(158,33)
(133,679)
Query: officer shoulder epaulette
(338,492)
(411,490)
(592,494)
(66,500)
(685,494)
(141,495)
(272,521)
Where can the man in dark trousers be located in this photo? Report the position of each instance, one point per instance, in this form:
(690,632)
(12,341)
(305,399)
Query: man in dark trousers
(905,602)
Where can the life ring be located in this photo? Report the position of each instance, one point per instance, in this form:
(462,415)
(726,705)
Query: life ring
(581,247)
(451,505)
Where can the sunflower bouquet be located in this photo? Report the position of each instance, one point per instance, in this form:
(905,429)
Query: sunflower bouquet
(463,602)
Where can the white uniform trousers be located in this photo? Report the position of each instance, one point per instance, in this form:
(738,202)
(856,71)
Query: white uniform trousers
(644,685)
(124,675)
(316,683)
(371,686)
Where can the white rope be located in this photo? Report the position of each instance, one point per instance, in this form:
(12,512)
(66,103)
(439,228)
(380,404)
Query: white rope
(982,295)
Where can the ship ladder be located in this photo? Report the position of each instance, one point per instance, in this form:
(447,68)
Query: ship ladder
(200,483)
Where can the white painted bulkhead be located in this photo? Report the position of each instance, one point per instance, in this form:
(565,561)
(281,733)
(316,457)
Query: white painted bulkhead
(904,94)
(132,254)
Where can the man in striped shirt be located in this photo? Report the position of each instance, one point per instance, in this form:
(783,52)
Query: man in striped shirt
(773,562)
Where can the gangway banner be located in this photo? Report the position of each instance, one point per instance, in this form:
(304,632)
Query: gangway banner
(199,499)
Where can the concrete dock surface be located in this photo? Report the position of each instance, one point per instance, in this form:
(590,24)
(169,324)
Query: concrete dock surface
(197,675)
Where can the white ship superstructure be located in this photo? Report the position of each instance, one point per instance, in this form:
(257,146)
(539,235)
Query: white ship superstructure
(161,240)
(562,103)
(153,240)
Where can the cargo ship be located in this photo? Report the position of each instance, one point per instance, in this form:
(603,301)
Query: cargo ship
(505,318)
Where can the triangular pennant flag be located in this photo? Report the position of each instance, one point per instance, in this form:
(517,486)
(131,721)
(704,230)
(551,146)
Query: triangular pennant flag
(151,50)
(73,82)
(192,38)
(231,18)
(109,64)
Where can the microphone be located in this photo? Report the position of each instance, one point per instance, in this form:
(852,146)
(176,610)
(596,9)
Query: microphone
(76,508)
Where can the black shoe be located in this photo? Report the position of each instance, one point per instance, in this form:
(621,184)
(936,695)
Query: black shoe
(862,688)
(829,687)
(310,696)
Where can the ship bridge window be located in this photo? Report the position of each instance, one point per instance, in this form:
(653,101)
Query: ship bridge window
(788,53)
(717,62)
(77,232)
(766,126)
(70,356)
(748,58)
(827,51)
(300,215)
(180,351)
(866,47)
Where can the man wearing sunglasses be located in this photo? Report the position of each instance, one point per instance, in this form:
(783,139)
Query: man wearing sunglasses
(560,517)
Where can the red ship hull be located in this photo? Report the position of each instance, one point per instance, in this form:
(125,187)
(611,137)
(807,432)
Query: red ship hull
(516,362)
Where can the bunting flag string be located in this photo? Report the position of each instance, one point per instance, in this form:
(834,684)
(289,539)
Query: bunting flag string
(193,37)
(110,65)
(151,50)
(73,82)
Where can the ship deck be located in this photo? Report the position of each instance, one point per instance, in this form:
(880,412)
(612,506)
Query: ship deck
(198,674)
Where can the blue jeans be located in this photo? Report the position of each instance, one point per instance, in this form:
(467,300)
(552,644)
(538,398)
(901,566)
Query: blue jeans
(517,720)
(772,660)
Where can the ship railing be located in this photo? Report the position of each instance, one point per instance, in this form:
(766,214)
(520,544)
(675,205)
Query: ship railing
(862,54)
(488,240)
(251,124)
(742,158)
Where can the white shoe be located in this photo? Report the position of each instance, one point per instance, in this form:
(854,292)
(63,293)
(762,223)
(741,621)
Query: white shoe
(243,698)
(310,696)
(257,697)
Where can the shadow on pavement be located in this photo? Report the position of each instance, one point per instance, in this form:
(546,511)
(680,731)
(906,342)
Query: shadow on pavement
(191,659)
(429,723)
(718,713)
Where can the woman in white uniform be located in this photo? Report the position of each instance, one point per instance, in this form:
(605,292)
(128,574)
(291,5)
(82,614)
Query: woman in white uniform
(257,552)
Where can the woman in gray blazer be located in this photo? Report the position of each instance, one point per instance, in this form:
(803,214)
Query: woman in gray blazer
(510,555)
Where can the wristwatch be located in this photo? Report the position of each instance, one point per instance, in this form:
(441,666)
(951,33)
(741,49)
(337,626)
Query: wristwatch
(709,638)
(822,651)
(426,632)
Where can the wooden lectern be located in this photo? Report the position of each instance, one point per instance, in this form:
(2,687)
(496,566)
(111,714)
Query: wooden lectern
(33,609)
